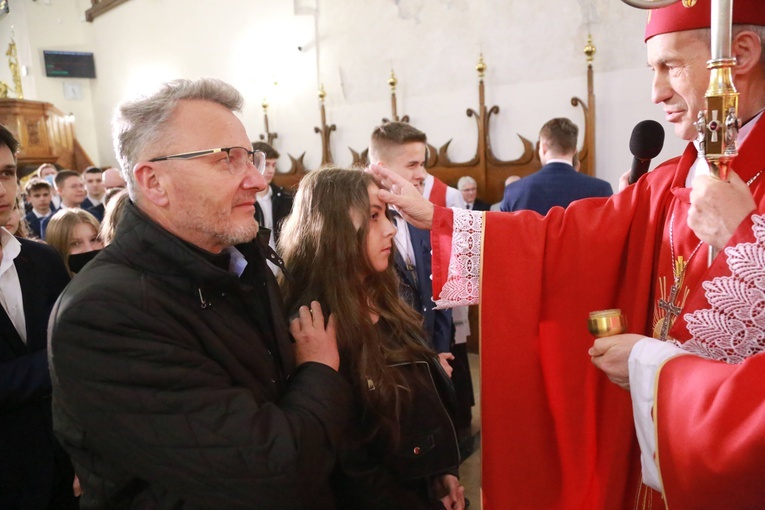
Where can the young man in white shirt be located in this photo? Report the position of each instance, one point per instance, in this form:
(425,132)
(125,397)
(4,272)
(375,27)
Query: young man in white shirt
(35,472)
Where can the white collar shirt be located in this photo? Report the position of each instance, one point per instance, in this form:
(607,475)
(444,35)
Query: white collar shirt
(10,286)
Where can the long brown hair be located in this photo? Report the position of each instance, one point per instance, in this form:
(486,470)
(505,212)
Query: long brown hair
(327,258)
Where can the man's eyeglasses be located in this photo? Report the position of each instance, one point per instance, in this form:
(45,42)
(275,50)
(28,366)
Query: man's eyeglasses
(237,157)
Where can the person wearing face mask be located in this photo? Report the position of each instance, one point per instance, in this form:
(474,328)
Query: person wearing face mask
(74,235)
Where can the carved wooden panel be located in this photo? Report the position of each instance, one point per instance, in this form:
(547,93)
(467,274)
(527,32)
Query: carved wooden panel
(46,135)
(488,170)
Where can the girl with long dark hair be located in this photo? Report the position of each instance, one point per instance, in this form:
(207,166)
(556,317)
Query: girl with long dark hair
(402,450)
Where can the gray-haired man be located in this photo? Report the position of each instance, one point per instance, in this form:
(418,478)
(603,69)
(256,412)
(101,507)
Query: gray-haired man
(175,381)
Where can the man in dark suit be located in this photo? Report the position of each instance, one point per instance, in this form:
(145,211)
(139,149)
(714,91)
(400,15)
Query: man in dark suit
(93,179)
(414,269)
(402,149)
(39,196)
(273,203)
(469,189)
(111,180)
(557,182)
(35,472)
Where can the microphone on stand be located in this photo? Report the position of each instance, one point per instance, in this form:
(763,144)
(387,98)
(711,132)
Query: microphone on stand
(646,143)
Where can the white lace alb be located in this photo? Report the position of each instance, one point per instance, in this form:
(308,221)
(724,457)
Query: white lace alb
(733,329)
(462,281)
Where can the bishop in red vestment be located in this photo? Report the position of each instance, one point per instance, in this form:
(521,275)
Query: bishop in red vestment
(556,433)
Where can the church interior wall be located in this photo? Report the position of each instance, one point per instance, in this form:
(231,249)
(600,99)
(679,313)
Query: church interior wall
(533,50)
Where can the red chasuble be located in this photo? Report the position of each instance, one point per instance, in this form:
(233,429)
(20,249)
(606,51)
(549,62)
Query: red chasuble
(556,433)
(710,419)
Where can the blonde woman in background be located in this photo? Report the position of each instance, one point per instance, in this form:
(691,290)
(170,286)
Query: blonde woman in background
(74,235)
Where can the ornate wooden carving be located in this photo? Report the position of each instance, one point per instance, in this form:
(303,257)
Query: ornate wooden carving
(46,135)
(100,7)
(489,171)
(297,171)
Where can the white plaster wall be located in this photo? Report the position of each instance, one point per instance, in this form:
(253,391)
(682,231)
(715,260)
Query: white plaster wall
(533,51)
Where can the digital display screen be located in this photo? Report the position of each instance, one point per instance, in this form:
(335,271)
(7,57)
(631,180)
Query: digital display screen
(69,64)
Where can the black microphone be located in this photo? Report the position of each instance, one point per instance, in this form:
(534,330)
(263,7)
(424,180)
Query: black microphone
(646,143)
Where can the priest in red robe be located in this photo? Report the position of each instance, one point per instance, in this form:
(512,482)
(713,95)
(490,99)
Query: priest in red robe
(555,432)
(700,418)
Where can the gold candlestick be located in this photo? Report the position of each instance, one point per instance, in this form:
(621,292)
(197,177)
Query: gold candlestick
(604,323)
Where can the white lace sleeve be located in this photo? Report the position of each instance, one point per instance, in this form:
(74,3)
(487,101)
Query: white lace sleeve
(462,282)
(733,329)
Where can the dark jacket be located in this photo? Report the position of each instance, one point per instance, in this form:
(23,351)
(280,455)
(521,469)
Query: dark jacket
(35,472)
(98,211)
(34,222)
(86,204)
(555,184)
(375,474)
(281,206)
(174,382)
(480,205)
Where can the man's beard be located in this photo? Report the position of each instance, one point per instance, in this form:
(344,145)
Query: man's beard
(238,235)
(218,227)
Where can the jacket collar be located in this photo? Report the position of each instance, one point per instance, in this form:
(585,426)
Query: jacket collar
(147,245)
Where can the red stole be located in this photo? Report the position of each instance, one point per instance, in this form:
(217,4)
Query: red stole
(556,433)
(438,192)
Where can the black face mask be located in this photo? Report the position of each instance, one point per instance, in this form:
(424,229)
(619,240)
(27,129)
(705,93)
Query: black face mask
(78,261)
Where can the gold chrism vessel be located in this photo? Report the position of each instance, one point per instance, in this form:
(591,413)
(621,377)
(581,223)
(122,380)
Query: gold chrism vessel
(604,323)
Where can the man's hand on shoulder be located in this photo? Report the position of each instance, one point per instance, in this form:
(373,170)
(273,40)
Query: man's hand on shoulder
(718,208)
(314,341)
